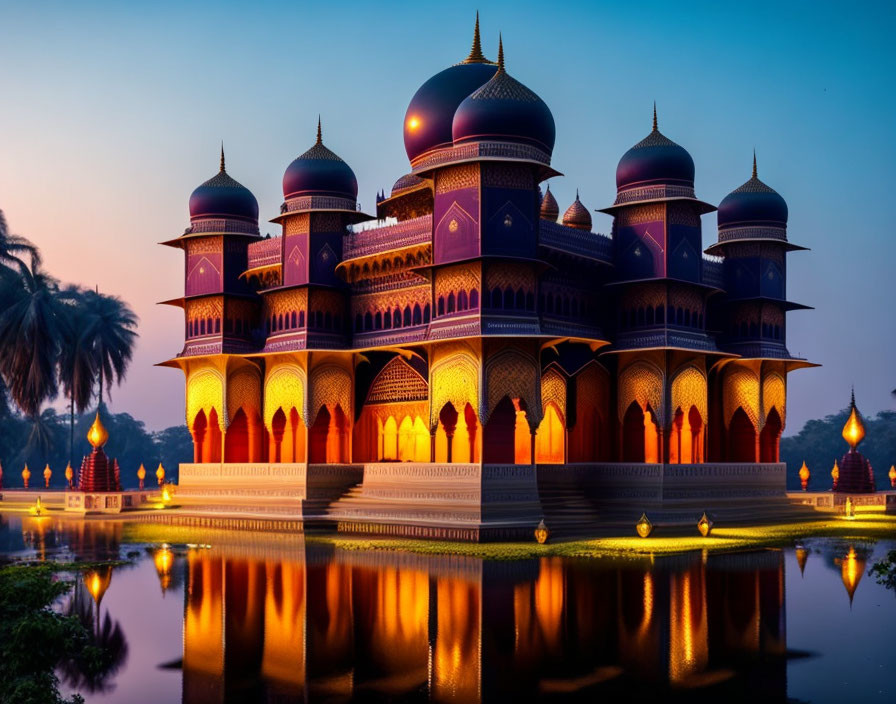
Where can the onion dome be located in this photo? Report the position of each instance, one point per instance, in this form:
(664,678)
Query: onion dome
(577,215)
(223,197)
(504,110)
(655,160)
(753,204)
(427,123)
(406,182)
(856,475)
(319,172)
(549,208)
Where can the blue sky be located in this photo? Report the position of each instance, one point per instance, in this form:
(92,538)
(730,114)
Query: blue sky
(111,113)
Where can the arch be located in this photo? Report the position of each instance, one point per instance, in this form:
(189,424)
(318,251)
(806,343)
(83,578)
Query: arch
(553,390)
(741,437)
(454,378)
(633,434)
(328,436)
(642,383)
(499,441)
(330,385)
(741,390)
(689,389)
(236,439)
(244,391)
(770,437)
(550,440)
(198,430)
(390,440)
(284,388)
(211,448)
(205,391)
(512,373)
(774,396)
(588,436)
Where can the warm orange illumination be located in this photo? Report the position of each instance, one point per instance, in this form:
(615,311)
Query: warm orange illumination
(166,493)
(160,474)
(37,509)
(550,438)
(801,556)
(47,474)
(164,560)
(804,476)
(26,475)
(849,510)
(97,435)
(835,473)
(413,123)
(704,525)
(852,567)
(141,474)
(69,474)
(892,475)
(644,526)
(854,430)
(541,533)
(97,582)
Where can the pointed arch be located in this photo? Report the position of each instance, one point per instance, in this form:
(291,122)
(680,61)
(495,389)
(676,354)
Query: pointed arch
(512,373)
(741,390)
(205,391)
(330,385)
(284,388)
(641,382)
(774,396)
(454,378)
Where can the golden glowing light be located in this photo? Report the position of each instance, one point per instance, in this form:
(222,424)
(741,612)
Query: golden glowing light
(97,582)
(166,494)
(164,560)
(849,509)
(835,473)
(854,430)
(892,475)
(47,474)
(97,435)
(414,123)
(801,556)
(541,533)
(160,474)
(26,475)
(852,567)
(644,526)
(804,476)
(704,525)
(69,473)
(37,509)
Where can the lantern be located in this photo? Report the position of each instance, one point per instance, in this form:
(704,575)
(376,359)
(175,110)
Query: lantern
(892,476)
(166,493)
(26,475)
(141,475)
(47,474)
(69,475)
(804,476)
(704,525)
(644,526)
(835,474)
(160,474)
(541,533)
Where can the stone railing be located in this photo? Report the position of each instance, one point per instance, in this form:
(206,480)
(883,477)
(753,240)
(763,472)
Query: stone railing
(240,472)
(575,241)
(402,234)
(264,253)
(222,226)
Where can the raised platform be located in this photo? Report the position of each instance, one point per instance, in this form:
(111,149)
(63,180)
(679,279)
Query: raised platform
(835,501)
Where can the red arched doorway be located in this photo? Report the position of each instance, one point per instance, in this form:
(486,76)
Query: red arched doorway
(200,425)
(633,434)
(770,438)
(236,439)
(741,438)
(498,439)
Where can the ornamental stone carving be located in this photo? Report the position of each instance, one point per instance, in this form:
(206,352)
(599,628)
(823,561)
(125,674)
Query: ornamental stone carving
(689,389)
(512,373)
(398,381)
(642,382)
(205,391)
(553,390)
(331,385)
(774,395)
(741,389)
(244,391)
(284,388)
(593,386)
(454,378)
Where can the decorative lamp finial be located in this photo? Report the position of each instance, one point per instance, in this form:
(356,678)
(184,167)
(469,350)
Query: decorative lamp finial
(160,474)
(97,436)
(69,474)
(141,475)
(892,475)
(223,170)
(500,54)
(804,476)
(755,172)
(47,474)
(655,124)
(26,475)
(319,133)
(854,430)
(835,473)
(476,56)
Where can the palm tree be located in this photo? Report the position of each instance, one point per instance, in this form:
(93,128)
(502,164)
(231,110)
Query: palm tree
(77,370)
(31,322)
(12,247)
(109,336)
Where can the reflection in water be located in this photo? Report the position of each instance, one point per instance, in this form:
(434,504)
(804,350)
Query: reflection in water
(268,619)
(337,625)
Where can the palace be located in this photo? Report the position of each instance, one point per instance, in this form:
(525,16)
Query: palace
(467,334)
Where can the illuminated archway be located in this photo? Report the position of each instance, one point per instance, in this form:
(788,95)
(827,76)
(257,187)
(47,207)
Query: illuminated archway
(390,440)
(686,437)
(328,436)
(770,437)
(640,435)
(741,438)
(507,437)
(198,431)
(550,439)
(236,439)
(211,448)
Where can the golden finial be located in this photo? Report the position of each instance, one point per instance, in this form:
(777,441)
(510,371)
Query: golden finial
(755,172)
(892,475)
(97,435)
(320,139)
(804,476)
(476,56)
(835,473)
(223,170)
(500,54)
(69,474)
(854,430)
(655,127)
(160,474)
(47,474)
(26,475)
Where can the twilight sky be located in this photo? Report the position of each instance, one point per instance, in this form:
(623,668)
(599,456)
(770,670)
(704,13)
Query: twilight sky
(111,113)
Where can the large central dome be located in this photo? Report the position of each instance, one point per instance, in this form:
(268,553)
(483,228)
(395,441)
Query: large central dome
(655,160)
(427,123)
(319,172)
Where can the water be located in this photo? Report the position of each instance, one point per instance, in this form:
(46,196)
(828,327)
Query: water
(246,617)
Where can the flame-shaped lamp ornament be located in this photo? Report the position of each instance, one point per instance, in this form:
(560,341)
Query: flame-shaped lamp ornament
(47,474)
(141,474)
(891,475)
(164,560)
(160,474)
(801,556)
(835,474)
(804,476)
(97,436)
(541,533)
(1,475)
(704,525)
(854,430)
(69,475)
(26,475)
(644,526)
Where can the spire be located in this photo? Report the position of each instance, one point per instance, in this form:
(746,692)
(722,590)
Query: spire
(319,136)
(655,128)
(223,170)
(500,54)
(476,56)
(755,172)
(577,194)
